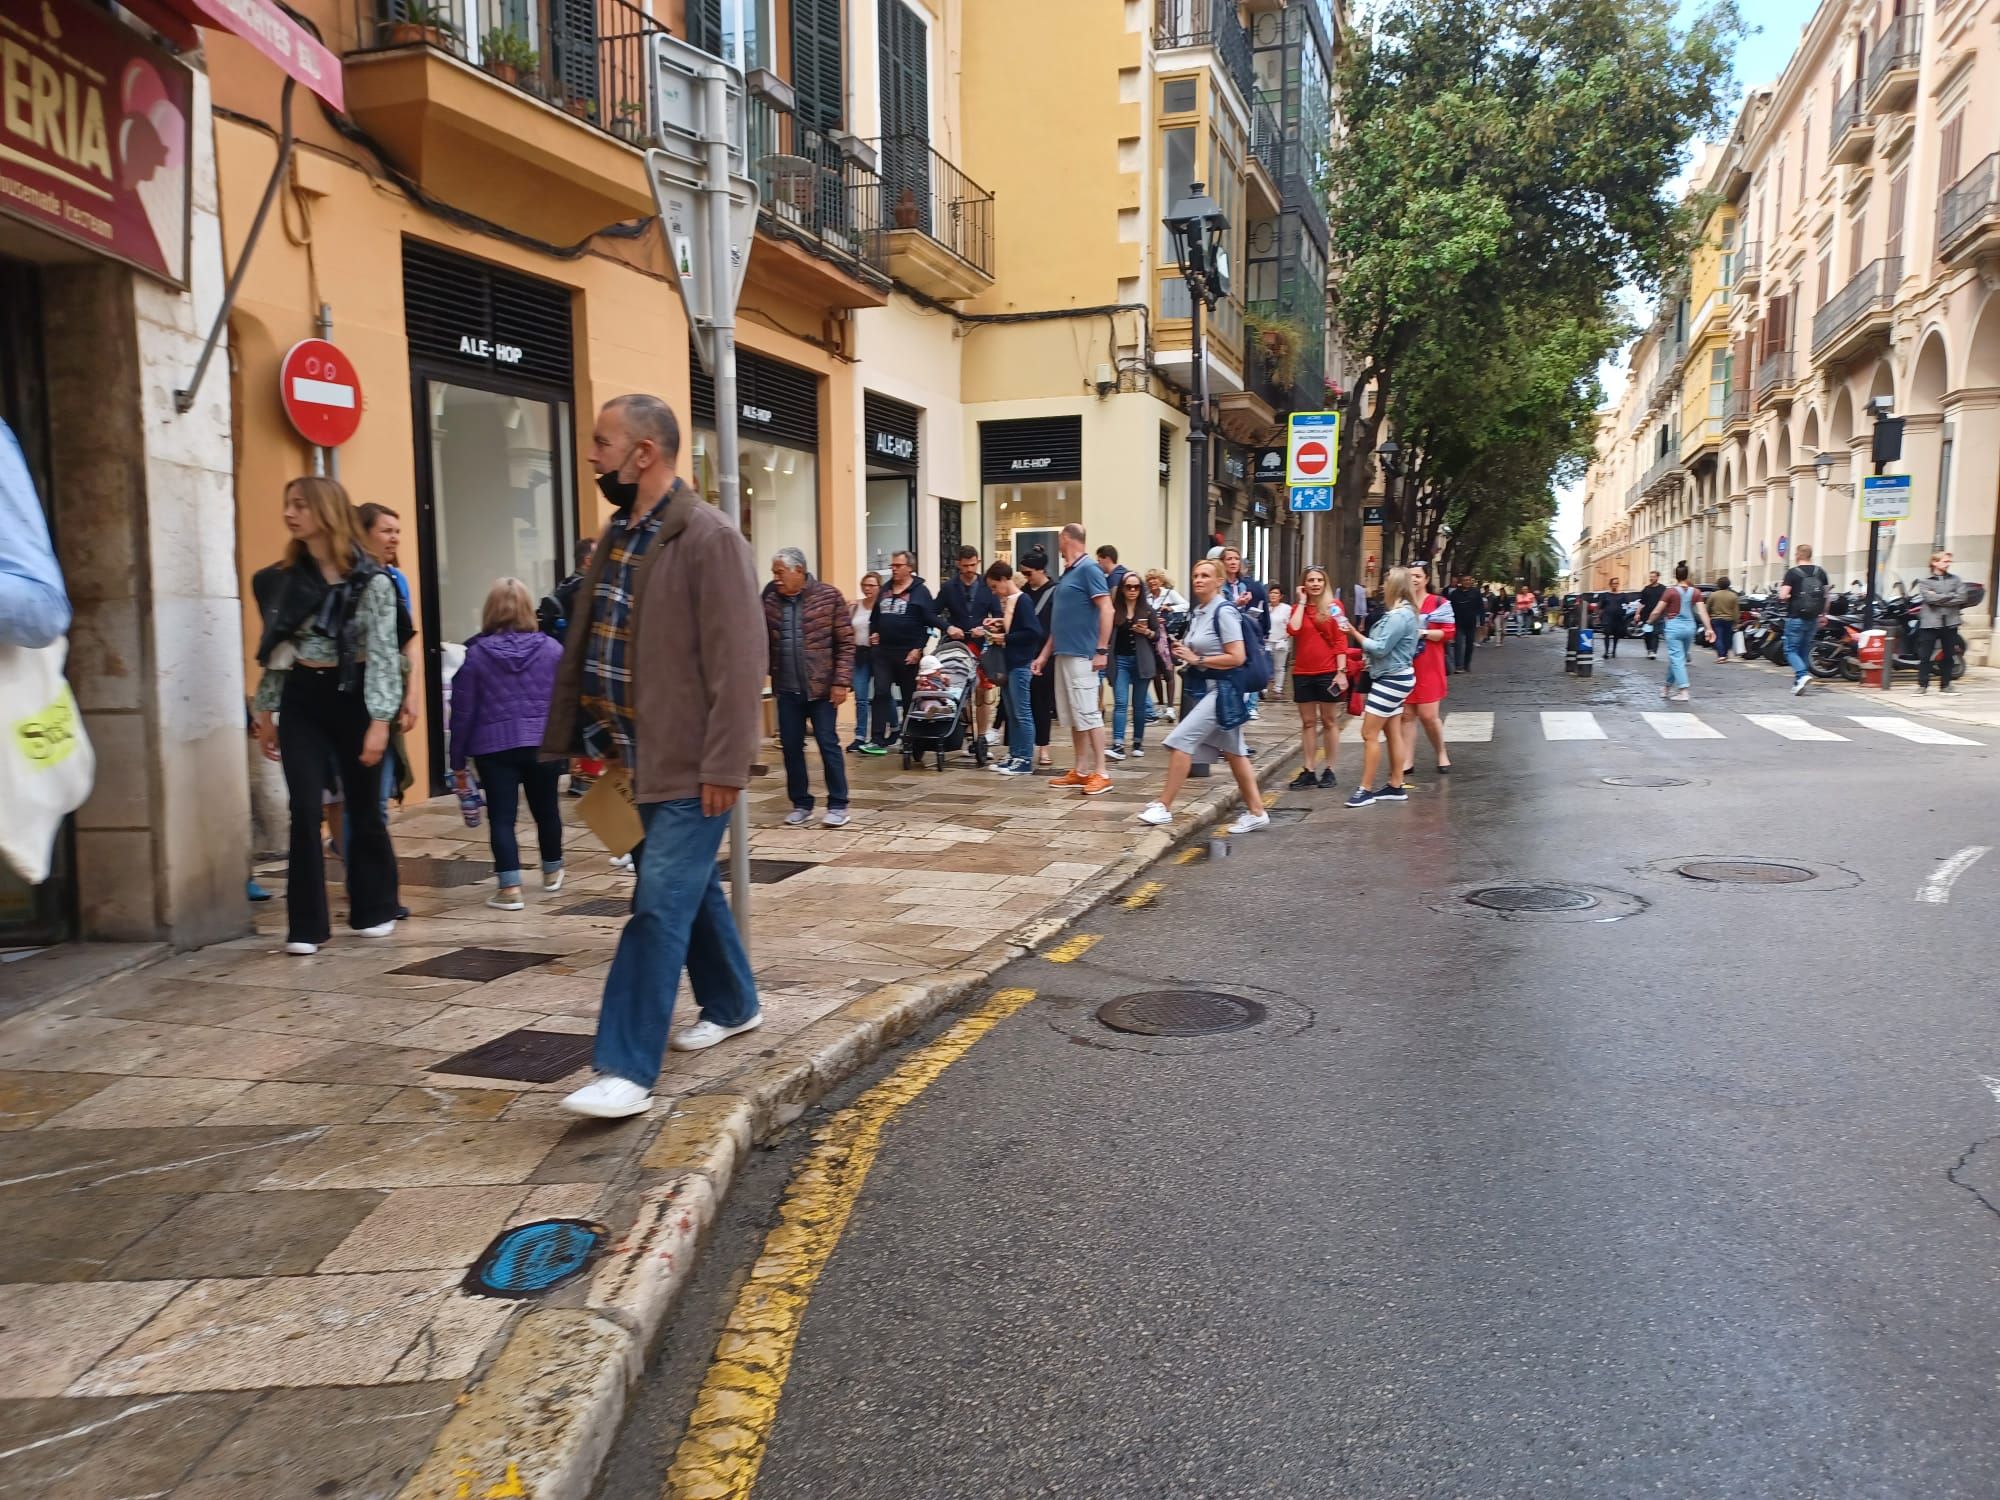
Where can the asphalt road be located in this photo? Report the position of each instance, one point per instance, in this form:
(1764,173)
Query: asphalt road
(1701,1202)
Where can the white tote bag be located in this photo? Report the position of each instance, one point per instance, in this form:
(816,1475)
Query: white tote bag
(46,764)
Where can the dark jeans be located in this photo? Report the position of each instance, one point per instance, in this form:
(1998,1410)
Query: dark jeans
(892,670)
(1019,699)
(1725,637)
(1042,703)
(504,777)
(1928,644)
(795,713)
(864,691)
(320,727)
(680,919)
(1462,645)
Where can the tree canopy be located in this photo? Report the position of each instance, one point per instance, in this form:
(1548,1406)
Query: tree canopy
(1502,170)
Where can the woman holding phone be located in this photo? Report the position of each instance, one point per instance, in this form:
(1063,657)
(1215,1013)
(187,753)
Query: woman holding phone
(1317,628)
(1391,649)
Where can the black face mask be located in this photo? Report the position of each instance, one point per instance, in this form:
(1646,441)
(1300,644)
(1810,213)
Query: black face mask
(622,493)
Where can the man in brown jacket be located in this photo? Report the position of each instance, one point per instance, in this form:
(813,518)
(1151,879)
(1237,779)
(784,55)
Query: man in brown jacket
(663,671)
(812,668)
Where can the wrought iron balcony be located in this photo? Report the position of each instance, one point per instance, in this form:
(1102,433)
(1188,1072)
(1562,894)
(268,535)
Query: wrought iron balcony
(1969,213)
(1267,150)
(814,193)
(1893,64)
(1775,378)
(1736,410)
(941,221)
(1668,374)
(1848,137)
(1859,312)
(1667,466)
(1749,268)
(1208,23)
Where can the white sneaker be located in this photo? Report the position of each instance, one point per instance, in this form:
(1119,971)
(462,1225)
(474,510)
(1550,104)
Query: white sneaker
(1249,822)
(1112,752)
(1157,814)
(836,817)
(302,950)
(995,736)
(1138,752)
(1799,685)
(552,880)
(1681,696)
(380,929)
(507,900)
(1255,715)
(609,1098)
(798,817)
(621,862)
(705,1034)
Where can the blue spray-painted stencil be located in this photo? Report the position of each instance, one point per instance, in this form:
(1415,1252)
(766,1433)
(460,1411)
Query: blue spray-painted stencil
(530,1259)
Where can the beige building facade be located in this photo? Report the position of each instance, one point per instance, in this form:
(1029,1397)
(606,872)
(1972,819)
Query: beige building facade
(1856,257)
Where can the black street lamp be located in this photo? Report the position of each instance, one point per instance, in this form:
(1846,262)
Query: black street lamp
(1198,227)
(1390,456)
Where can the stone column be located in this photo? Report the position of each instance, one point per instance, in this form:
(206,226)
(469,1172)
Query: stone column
(1970,511)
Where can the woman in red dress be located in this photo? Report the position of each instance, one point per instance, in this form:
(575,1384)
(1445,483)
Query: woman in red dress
(1434,612)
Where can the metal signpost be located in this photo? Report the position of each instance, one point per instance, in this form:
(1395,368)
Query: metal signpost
(708,216)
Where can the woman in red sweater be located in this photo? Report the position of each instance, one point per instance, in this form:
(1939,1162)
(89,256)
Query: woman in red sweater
(1321,672)
(1440,624)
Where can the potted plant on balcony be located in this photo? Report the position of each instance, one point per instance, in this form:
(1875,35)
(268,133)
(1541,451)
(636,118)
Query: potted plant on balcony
(505,53)
(630,121)
(432,25)
(1281,339)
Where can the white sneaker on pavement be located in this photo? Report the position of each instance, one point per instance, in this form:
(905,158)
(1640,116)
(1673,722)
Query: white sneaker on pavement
(621,862)
(798,817)
(705,1034)
(1156,813)
(1112,752)
(836,817)
(1799,685)
(302,950)
(609,1098)
(507,900)
(552,880)
(1249,822)
(379,930)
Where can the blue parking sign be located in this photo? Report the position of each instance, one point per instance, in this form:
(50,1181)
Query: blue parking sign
(1312,497)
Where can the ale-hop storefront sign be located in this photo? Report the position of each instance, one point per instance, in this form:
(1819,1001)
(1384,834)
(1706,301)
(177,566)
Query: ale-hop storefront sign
(890,430)
(95,141)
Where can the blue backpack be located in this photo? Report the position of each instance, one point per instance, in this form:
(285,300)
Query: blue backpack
(1254,676)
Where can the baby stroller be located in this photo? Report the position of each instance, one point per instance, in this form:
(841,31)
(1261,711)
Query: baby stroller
(939,717)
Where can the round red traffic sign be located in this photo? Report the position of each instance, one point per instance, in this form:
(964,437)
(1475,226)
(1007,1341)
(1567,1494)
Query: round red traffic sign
(1311,459)
(321,391)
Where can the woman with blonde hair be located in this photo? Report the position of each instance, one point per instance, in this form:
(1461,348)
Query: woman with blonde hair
(1391,651)
(1212,647)
(333,678)
(499,704)
(1320,676)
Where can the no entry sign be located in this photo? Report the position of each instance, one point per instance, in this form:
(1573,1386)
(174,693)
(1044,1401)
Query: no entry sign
(321,392)
(1312,440)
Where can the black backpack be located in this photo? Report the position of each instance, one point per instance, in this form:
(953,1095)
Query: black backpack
(1809,595)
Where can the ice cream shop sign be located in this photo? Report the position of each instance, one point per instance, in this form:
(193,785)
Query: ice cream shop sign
(94,134)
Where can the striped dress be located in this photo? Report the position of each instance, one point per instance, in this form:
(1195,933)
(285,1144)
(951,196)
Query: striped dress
(1391,649)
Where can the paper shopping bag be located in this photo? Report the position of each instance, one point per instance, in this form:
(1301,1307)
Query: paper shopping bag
(46,764)
(610,813)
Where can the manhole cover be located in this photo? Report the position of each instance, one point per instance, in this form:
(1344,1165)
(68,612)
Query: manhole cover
(481,964)
(533,1258)
(1645,781)
(597,906)
(526,1056)
(1746,872)
(1180,1013)
(1532,898)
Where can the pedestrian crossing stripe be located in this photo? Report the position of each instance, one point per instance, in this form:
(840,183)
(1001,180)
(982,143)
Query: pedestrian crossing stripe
(1468,728)
(1910,729)
(1478,727)
(1682,727)
(1792,727)
(1571,726)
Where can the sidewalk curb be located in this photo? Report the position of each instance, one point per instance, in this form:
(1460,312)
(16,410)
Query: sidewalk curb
(541,1419)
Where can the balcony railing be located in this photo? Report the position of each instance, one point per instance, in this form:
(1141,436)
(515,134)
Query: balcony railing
(1749,267)
(1848,118)
(1775,373)
(1873,290)
(1971,203)
(589,60)
(811,189)
(1208,23)
(1899,51)
(1736,409)
(1667,375)
(1267,138)
(926,192)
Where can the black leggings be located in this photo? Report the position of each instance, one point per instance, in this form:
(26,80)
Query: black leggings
(1042,701)
(319,728)
(1928,642)
(505,776)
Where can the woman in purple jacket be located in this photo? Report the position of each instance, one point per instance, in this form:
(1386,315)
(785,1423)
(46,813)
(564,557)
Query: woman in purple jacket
(499,705)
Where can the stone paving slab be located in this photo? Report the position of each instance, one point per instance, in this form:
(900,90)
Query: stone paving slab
(242,1197)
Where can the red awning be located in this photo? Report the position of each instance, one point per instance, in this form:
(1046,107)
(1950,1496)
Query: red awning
(271,32)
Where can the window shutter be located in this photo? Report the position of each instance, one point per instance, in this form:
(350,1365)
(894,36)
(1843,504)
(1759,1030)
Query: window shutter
(573,54)
(905,74)
(816,77)
(1825,276)
(1857,239)
(704,25)
(1949,144)
(1899,204)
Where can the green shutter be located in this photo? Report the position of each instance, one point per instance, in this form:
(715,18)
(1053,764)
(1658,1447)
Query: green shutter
(704,23)
(816,80)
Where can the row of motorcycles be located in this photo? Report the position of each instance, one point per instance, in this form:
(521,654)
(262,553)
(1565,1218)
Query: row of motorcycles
(1836,642)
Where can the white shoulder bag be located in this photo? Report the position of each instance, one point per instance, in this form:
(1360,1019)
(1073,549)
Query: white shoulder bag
(46,764)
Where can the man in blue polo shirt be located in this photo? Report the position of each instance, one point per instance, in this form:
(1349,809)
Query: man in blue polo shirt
(1078,647)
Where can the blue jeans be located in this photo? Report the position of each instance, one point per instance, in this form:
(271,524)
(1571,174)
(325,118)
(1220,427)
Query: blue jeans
(1126,685)
(1021,714)
(864,691)
(1680,636)
(795,713)
(1798,644)
(680,919)
(504,777)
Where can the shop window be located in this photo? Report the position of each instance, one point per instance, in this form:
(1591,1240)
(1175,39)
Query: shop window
(780,495)
(1032,515)
(892,520)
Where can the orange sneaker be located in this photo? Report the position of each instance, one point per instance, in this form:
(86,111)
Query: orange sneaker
(1096,786)
(1068,778)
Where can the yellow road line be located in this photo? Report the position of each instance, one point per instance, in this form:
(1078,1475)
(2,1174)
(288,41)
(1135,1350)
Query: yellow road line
(1142,896)
(1071,949)
(1189,855)
(730,1430)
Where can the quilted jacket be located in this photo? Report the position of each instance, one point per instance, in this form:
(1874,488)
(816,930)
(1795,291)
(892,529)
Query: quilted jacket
(828,627)
(500,694)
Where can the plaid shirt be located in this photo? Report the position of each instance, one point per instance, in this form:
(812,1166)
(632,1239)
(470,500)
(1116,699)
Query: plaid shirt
(607,661)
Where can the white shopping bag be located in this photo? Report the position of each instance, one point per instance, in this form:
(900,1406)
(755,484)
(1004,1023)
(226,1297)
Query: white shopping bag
(46,764)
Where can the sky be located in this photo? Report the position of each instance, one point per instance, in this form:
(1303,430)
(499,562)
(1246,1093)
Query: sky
(1760,58)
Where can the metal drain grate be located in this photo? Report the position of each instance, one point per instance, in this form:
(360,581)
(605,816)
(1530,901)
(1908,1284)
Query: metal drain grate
(1282,815)
(481,964)
(1532,898)
(1180,1013)
(771,871)
(425,869)
(1645,781)
(597,906)
(530,1259)
(1746,872)
(526,1056)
